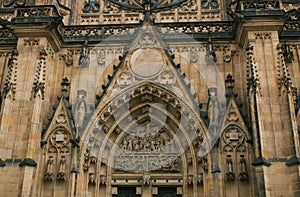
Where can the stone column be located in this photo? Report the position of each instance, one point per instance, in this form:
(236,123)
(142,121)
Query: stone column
(260,39)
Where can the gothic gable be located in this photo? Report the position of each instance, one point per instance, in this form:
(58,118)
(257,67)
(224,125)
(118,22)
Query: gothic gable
(62,118)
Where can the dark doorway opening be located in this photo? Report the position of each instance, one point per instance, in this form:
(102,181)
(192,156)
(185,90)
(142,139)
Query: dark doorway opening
(167,192)
(126,192)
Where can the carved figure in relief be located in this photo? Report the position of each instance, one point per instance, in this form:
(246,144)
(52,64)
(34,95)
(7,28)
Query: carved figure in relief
(243,176)
(49,170)
(61,175)
(156,143)
(84,59)
(80,108)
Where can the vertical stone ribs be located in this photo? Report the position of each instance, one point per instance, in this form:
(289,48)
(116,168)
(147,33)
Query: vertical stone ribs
(252,72)
(253,88)
(285,56)
(11,79)
(39,81)
(283,76)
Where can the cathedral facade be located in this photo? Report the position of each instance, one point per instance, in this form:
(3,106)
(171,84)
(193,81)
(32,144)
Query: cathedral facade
(149,98)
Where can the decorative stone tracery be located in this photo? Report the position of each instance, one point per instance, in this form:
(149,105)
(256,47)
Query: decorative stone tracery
(58,154)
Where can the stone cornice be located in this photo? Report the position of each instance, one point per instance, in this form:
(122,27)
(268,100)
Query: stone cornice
(46,21)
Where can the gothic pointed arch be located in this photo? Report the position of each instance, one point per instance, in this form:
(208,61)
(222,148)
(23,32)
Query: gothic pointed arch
(236,150)
(56,143)
(150,126)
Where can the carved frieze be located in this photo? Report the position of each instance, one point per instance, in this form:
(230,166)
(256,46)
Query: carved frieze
(31,42)
(141,162)
(259,4)
(157,143)
(263,36)
(36,11)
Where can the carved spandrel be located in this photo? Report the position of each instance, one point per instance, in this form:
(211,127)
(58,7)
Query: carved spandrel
(125,79)
(167,77)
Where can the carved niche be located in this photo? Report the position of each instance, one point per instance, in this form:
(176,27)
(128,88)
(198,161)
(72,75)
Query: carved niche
(57,154)
(234,147)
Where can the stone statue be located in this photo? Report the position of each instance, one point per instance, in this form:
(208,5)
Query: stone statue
(84,59)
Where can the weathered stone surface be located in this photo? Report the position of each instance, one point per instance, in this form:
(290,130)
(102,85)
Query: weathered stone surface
(149,99)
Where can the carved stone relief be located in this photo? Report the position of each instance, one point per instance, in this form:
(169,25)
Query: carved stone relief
(91,6)
(233,143)
(80,109)
(84,59)
(48,176)
(233,137)
(8,3)
(31,42)
(147,149)
(55,165)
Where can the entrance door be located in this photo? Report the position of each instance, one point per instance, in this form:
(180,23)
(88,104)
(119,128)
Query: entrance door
(167,192)
(126,192)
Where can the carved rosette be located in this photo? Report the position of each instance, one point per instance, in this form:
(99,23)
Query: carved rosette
(233,137)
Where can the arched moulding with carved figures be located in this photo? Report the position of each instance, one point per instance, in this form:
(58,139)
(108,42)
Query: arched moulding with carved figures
(145,128)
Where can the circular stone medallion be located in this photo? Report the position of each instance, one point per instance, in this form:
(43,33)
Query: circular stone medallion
(146,63)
